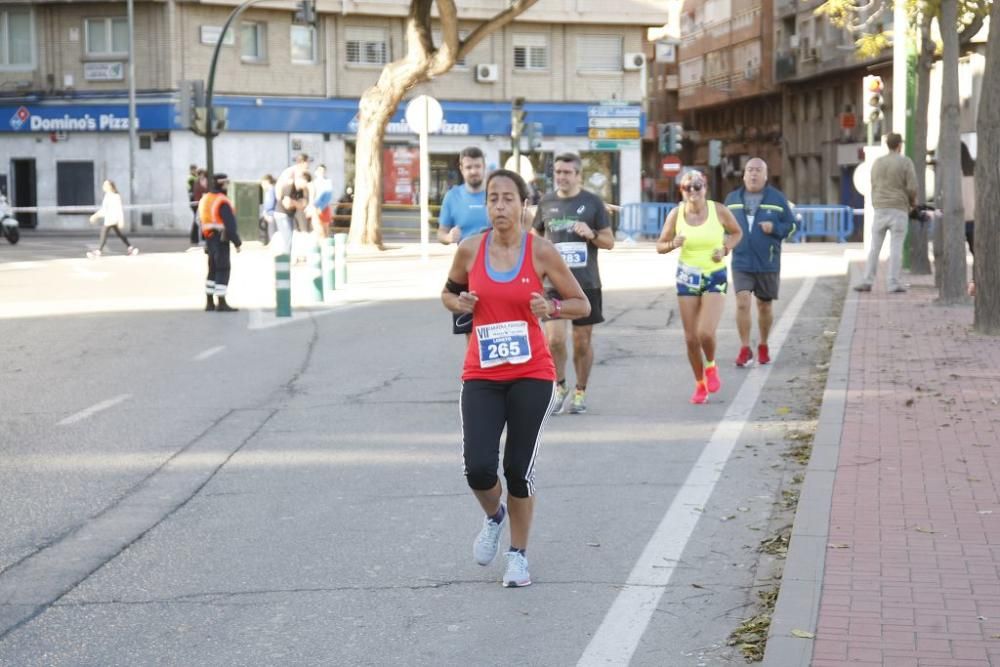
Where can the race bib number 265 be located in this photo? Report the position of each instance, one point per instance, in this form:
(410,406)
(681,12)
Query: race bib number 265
(503,343)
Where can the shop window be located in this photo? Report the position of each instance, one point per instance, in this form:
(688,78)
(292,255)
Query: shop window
(75,184)
(303,39)
(253,37)
(599,53)
(145,142)
(367,46)
(531,52)
(106,36)
(17,37)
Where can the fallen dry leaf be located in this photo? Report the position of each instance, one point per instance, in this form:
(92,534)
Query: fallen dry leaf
(803,634)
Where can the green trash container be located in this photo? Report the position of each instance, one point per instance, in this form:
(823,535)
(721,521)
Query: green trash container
(246,197)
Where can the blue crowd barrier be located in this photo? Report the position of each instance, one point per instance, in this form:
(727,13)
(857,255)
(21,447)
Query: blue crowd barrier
(643,220)
(825,221)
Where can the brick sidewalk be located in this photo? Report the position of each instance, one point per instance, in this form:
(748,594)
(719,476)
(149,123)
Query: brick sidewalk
(912,574)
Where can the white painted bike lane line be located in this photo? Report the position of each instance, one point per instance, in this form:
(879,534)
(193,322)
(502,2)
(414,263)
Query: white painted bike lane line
(94,409)
(623,626)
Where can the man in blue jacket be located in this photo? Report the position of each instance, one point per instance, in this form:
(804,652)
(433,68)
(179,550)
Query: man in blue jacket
(766,219)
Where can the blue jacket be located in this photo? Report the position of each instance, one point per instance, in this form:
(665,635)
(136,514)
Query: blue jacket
(759,252)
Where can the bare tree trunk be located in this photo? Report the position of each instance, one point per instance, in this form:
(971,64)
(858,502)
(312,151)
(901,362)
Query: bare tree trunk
(377,108)
(422,62)
(920,263)
(954,270)
(986,265)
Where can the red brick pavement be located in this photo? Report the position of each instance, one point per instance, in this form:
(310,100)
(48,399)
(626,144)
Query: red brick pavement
(912,574)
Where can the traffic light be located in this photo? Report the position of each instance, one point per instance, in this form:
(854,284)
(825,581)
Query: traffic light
(517,119)
(199,121)
(190,94)
(675,135)
(220,118)
(305,12)
(662,137)
(872,96)
(535,134)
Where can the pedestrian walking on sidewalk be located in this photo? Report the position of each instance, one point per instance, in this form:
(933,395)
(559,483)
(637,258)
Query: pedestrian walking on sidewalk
(508,379)
(894,193)
(113,214)
(576,221)
(218,227)
(766,220)
(463,214)
(706,232)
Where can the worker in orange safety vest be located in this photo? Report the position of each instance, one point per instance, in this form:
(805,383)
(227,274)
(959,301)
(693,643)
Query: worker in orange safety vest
(217,216)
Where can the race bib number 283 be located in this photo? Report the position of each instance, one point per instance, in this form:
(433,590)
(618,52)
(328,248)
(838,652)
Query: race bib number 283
(503,343)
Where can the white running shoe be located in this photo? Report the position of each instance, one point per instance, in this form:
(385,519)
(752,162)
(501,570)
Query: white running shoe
(484,549)
(561,394)
(93,254)
(132,250)
(516,575)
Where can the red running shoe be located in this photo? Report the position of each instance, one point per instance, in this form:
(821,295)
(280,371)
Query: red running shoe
(700,394)
(712,381)
(763,356)
(745,358)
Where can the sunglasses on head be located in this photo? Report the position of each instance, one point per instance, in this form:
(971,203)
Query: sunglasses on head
(692,187)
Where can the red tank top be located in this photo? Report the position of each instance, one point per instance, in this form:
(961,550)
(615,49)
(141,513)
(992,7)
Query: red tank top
(507,341)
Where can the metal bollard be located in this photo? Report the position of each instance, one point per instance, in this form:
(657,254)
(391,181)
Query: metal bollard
(315,273)
(283,285)
(340,260)
(329,268)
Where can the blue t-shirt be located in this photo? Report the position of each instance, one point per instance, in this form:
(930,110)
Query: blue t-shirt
(465,210)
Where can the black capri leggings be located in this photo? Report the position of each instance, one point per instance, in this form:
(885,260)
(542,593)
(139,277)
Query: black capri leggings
(117,230)
(524,407)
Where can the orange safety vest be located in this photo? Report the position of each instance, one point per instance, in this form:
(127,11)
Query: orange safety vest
(208,212)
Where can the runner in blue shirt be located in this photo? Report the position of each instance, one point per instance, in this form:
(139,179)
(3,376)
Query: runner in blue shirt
(463,214)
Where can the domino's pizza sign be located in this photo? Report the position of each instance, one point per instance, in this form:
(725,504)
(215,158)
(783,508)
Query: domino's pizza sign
(19,118)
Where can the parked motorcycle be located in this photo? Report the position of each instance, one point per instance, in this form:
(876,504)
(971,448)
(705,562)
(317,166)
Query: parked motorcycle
(8,222)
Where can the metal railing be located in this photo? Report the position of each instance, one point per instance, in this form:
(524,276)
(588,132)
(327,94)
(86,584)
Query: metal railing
(824,221)
(643,220)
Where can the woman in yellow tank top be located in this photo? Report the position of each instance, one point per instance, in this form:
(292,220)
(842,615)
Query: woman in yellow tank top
(706,232)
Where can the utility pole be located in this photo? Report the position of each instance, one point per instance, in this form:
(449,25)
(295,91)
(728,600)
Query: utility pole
(133,121)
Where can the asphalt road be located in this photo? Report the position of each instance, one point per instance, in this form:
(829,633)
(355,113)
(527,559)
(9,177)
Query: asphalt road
(189,488)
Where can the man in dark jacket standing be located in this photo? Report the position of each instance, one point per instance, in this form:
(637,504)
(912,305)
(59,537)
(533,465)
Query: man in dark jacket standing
(766,219)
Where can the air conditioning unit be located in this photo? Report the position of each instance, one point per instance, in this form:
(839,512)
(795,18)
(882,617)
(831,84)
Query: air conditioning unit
(633,61)
(487,73)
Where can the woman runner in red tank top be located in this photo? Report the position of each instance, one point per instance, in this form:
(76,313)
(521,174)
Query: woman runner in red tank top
(508,379)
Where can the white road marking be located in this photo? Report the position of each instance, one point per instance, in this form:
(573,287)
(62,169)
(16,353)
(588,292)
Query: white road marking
(94,409)
(619,634)
(209,352)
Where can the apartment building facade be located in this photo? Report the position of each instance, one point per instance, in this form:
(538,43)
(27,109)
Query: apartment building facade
(728,100)
(290,88)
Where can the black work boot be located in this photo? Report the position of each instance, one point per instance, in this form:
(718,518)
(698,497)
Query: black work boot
(209,302)
(225,307)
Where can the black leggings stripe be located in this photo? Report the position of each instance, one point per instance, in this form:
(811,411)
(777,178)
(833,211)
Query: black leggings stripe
(523,406)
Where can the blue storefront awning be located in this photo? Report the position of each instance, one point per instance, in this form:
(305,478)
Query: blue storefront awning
(277,114)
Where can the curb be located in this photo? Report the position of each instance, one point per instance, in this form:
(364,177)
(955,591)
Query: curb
(797,607)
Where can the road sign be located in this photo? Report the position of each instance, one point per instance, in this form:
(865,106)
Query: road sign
(423,111)
(619,133)
(613,126)
(670,165)
(848,120)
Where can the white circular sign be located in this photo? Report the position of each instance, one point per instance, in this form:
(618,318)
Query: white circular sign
(863,178)
(424,111)
(526,170)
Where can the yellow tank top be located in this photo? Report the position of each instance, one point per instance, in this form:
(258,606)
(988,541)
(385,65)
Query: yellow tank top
(701,240)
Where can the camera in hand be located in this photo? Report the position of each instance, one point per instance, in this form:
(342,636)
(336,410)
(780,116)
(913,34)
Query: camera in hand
(922,212)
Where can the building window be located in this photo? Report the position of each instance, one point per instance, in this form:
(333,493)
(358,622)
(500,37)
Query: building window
(17,36)
(253,37)
(531,52)
(75,184)
(303,44)
(599,53)
(107,36)
(367,46)
(439,41)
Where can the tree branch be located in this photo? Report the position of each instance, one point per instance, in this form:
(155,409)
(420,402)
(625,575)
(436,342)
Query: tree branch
(517,7)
